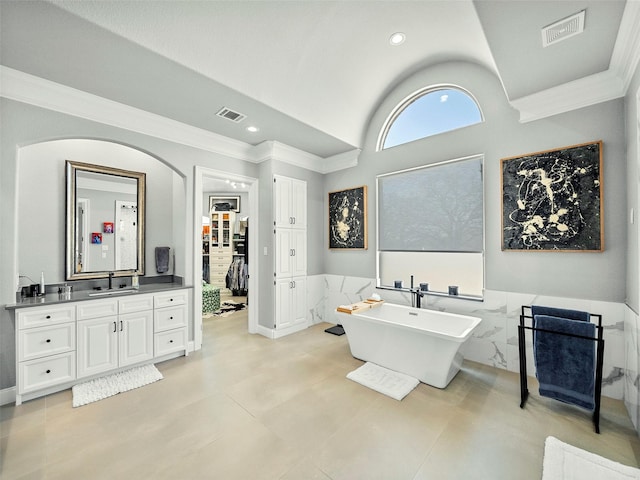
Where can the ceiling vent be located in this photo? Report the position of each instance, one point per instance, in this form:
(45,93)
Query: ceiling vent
(563,29)
(231,115)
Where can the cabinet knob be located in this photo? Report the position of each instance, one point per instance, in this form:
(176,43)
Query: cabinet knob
(170,341)
(48,317)
(48,371)
(170,318)
(171,299)
(48,340)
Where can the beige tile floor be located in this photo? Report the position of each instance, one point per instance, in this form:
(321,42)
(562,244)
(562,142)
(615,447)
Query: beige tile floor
(246,407)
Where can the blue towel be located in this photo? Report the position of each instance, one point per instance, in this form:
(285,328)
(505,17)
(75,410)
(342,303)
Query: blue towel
(162,259)
(565,366)
(560,312)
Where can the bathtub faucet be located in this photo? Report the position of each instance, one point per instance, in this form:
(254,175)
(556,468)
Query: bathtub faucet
(416,299)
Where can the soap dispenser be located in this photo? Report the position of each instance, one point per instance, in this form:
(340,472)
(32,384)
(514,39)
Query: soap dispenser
(134,281)
(42,292)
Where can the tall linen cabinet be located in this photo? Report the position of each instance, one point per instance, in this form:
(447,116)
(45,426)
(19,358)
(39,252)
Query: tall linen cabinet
(290,254)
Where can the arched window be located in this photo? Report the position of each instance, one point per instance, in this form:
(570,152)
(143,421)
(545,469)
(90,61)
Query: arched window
(427,112)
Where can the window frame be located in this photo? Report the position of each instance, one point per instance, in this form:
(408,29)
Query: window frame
(413,97)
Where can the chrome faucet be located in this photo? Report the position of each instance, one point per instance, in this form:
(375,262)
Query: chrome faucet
(111,275)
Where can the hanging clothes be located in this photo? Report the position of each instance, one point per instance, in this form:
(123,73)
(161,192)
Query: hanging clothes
(237,277)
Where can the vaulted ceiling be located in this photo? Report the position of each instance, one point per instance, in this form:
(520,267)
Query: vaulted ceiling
(309,73)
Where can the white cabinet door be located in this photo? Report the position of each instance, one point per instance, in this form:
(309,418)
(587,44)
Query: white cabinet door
(135,337)
(299,203)
(97,345)
(299,300)
(283,314)
(298,246)
(282,215)
(291,252)
(283,253)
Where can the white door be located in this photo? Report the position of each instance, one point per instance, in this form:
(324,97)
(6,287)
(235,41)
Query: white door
(283,313)
(136,337)
(97,345)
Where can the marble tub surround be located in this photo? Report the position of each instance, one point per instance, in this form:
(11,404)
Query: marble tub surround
(632,366)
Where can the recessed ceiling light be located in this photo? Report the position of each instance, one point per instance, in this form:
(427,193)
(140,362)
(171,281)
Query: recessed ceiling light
(397,38)
(252,129)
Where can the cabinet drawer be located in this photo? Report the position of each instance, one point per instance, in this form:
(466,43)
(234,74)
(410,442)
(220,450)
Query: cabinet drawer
(43,341)
(169,341)
(220,269)
(170,299)
(97,309)
(41,316)
(46,372)
(137,303)
(169,318)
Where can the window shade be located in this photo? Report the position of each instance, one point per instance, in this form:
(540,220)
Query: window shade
(436,208)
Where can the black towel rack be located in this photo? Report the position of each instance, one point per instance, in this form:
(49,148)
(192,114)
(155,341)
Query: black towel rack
(524,390)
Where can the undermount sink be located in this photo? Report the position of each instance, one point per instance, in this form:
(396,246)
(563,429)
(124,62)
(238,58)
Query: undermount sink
(111,292)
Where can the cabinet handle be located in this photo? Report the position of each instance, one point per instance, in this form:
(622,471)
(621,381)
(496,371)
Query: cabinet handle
(293,252)
(48,340)
(48,371)
(294,284)
(115,327)
(121,325)
(294,220)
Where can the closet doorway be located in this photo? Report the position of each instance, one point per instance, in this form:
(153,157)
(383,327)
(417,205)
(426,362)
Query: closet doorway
(207,180)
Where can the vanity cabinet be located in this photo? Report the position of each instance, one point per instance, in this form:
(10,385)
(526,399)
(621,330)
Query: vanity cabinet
(46,347)
(59,345)
(170,322)
(114,333)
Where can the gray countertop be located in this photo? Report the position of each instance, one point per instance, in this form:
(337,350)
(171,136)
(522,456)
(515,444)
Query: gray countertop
(57,298)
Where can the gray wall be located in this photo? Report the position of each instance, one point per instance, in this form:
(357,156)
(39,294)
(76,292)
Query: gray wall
(580,275)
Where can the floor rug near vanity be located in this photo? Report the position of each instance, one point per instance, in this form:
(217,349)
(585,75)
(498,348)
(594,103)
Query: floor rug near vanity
(388,382)
(566,462)
(228,308)
(110,385)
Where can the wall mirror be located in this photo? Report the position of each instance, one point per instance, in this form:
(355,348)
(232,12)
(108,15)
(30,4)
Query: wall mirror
(105,221)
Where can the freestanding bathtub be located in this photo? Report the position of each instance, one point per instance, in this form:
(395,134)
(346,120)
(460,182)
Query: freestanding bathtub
(424,344)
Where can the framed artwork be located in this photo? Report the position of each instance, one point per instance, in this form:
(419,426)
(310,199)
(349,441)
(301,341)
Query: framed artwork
(552,200)
(348,218)
(107,227)
(96,238)
(224,204)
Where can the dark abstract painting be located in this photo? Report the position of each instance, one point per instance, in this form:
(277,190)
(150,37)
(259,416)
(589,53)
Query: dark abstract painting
(348,218)
(552,200)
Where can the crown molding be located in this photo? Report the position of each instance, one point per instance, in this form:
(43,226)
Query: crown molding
(30,89)
(341,161)
(585,92)
(594,89)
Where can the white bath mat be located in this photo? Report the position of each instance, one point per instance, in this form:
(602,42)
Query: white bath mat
(566,462)
(110,385)
(393,384)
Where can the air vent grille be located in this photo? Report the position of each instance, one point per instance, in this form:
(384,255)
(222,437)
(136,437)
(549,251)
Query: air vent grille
(563,29)
(232,115)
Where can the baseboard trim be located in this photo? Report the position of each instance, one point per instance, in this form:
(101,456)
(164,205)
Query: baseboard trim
(7,396)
